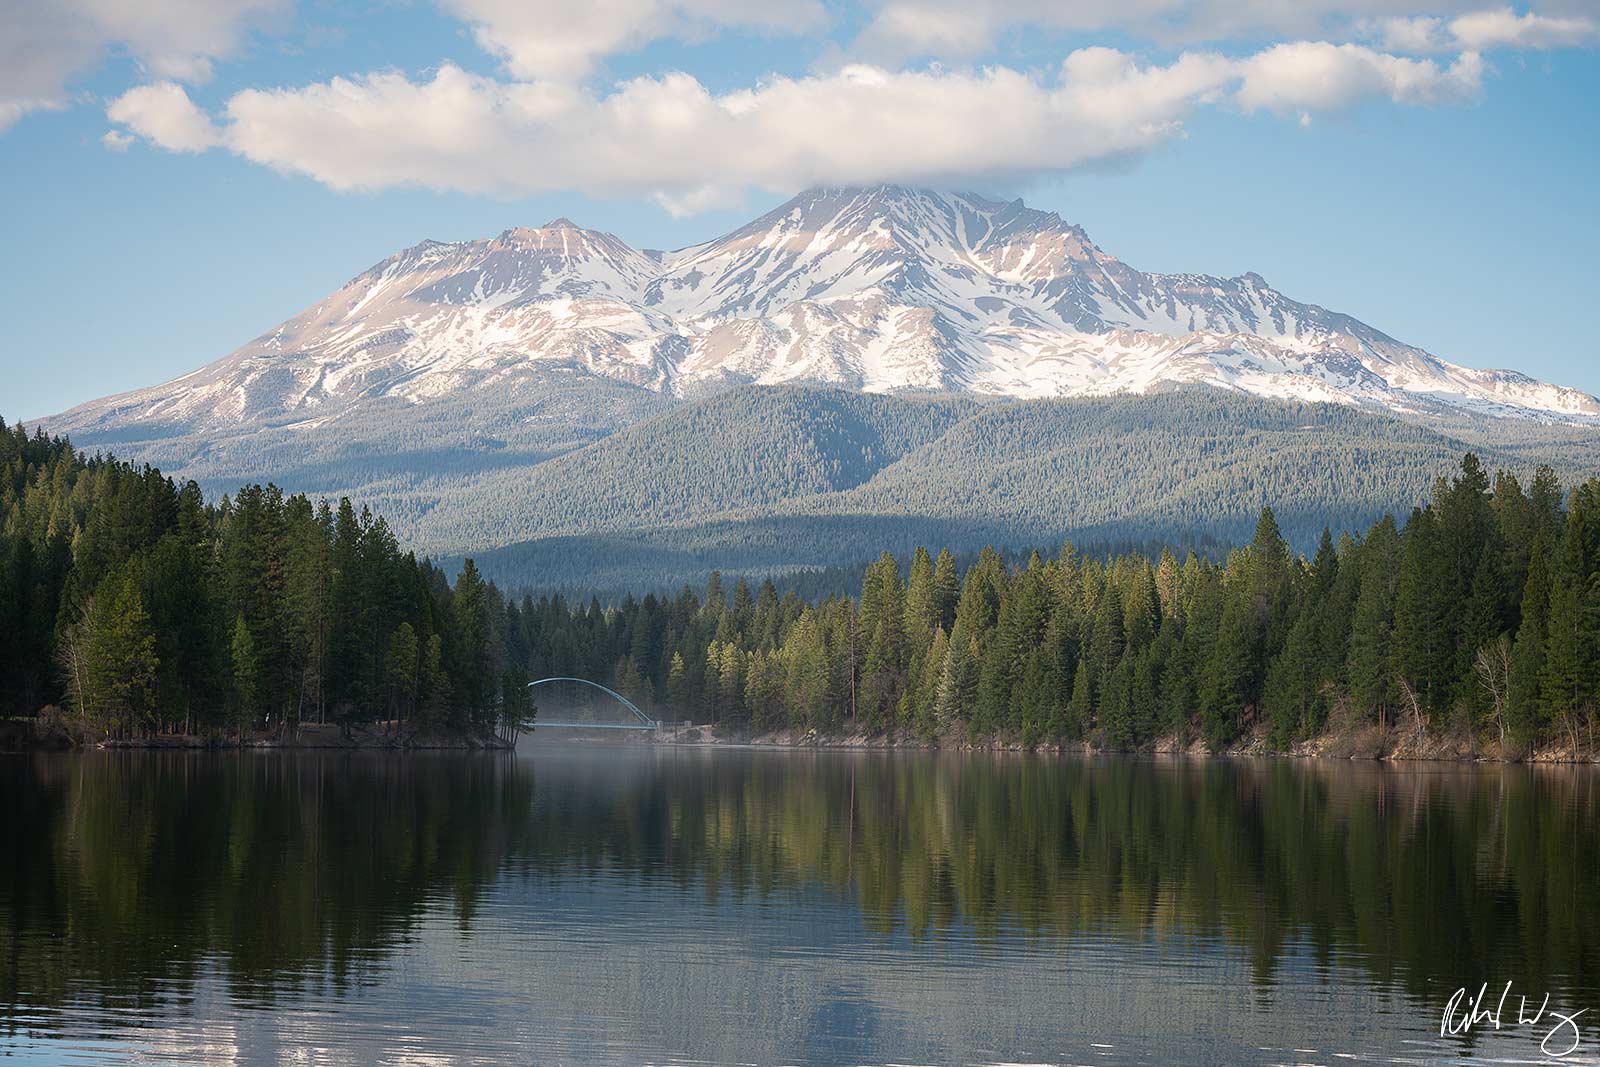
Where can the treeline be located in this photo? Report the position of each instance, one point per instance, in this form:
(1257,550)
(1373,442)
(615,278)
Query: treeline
(1479,616)
(144,609)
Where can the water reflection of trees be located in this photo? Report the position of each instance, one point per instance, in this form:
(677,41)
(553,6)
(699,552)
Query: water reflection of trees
(1413,873)
(131,875)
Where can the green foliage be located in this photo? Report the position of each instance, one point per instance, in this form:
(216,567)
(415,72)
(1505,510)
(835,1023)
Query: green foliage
(770,480)
(121,656)
(246,688)
(1414,627)
(161,613)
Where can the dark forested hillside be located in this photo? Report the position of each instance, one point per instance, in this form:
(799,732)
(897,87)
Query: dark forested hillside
(746,449)
(661,504)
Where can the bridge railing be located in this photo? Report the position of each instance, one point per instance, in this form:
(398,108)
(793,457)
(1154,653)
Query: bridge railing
(645,722)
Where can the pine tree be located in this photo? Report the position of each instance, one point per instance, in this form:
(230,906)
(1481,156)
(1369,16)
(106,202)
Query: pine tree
(1080,717)
(922,601)
(946,588)
(1561,682)
(518,712)
(435,685)
(121,662)
(1572,647)
(475,675)
(401,666)
(1290,692)
(806,672)
(883,675)
(730,684)
(1106,643)
(1144,700)
(246,687)
(1116,704)
(1524,707)
(1169,584)
(677,686)
(1371,665)
(958,682)
(1423,650)
(1142,610)
(711,699)
(1225,694)
(763,690)
(925,711)
(1479,627)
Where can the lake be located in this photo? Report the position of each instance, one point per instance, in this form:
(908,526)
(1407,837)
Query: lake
(601,904)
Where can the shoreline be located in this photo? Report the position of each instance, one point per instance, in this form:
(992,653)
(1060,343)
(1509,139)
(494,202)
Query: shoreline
(1369,745)
(46,734)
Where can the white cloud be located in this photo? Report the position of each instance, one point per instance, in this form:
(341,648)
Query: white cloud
(1418,33)
(671,138)
(1506,29)
(557,39)
(14,108)
(164,115)
(44,44)
(117,141)
(904,29)
(1316,76)
(1484,30)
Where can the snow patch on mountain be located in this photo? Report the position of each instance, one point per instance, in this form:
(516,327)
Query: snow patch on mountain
(882,289)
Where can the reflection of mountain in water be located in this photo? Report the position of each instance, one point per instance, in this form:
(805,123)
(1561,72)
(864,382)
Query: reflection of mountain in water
(808,907)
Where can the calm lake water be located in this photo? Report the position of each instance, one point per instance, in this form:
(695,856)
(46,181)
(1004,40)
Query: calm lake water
(590,904)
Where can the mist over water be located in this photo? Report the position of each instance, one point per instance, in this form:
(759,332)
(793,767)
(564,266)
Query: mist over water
(602,903)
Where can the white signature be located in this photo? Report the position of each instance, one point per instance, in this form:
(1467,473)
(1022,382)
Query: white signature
(1466,1011)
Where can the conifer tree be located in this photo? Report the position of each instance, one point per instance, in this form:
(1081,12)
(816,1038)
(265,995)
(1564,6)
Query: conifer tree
(677,692)
(1371,666)
(1080,716)
(1423,651)
(246,687)
(401,666)
(922,600)
(1524,706)
(946,588)
(121,655)
(925,709)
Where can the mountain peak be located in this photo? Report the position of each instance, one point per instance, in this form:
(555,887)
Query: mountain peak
(880,288)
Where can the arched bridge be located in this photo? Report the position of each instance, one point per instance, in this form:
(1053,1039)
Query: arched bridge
(645,722)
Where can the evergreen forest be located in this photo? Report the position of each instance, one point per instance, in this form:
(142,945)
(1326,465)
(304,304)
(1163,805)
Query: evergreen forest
(142,608)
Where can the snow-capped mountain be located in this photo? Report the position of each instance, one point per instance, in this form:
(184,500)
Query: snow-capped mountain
(877,289)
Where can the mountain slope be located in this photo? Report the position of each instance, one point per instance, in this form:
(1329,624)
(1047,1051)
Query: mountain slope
(1191,467)
(878,289)
(749,448)
(454,386)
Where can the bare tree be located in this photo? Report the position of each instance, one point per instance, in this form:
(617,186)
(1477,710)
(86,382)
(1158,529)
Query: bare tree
(1416,709)
(1493,669)
(72,656)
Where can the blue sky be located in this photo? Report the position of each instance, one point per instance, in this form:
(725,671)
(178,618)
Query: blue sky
(179,182)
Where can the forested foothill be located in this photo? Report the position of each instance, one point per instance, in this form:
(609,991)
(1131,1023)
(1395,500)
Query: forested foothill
(143,609)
